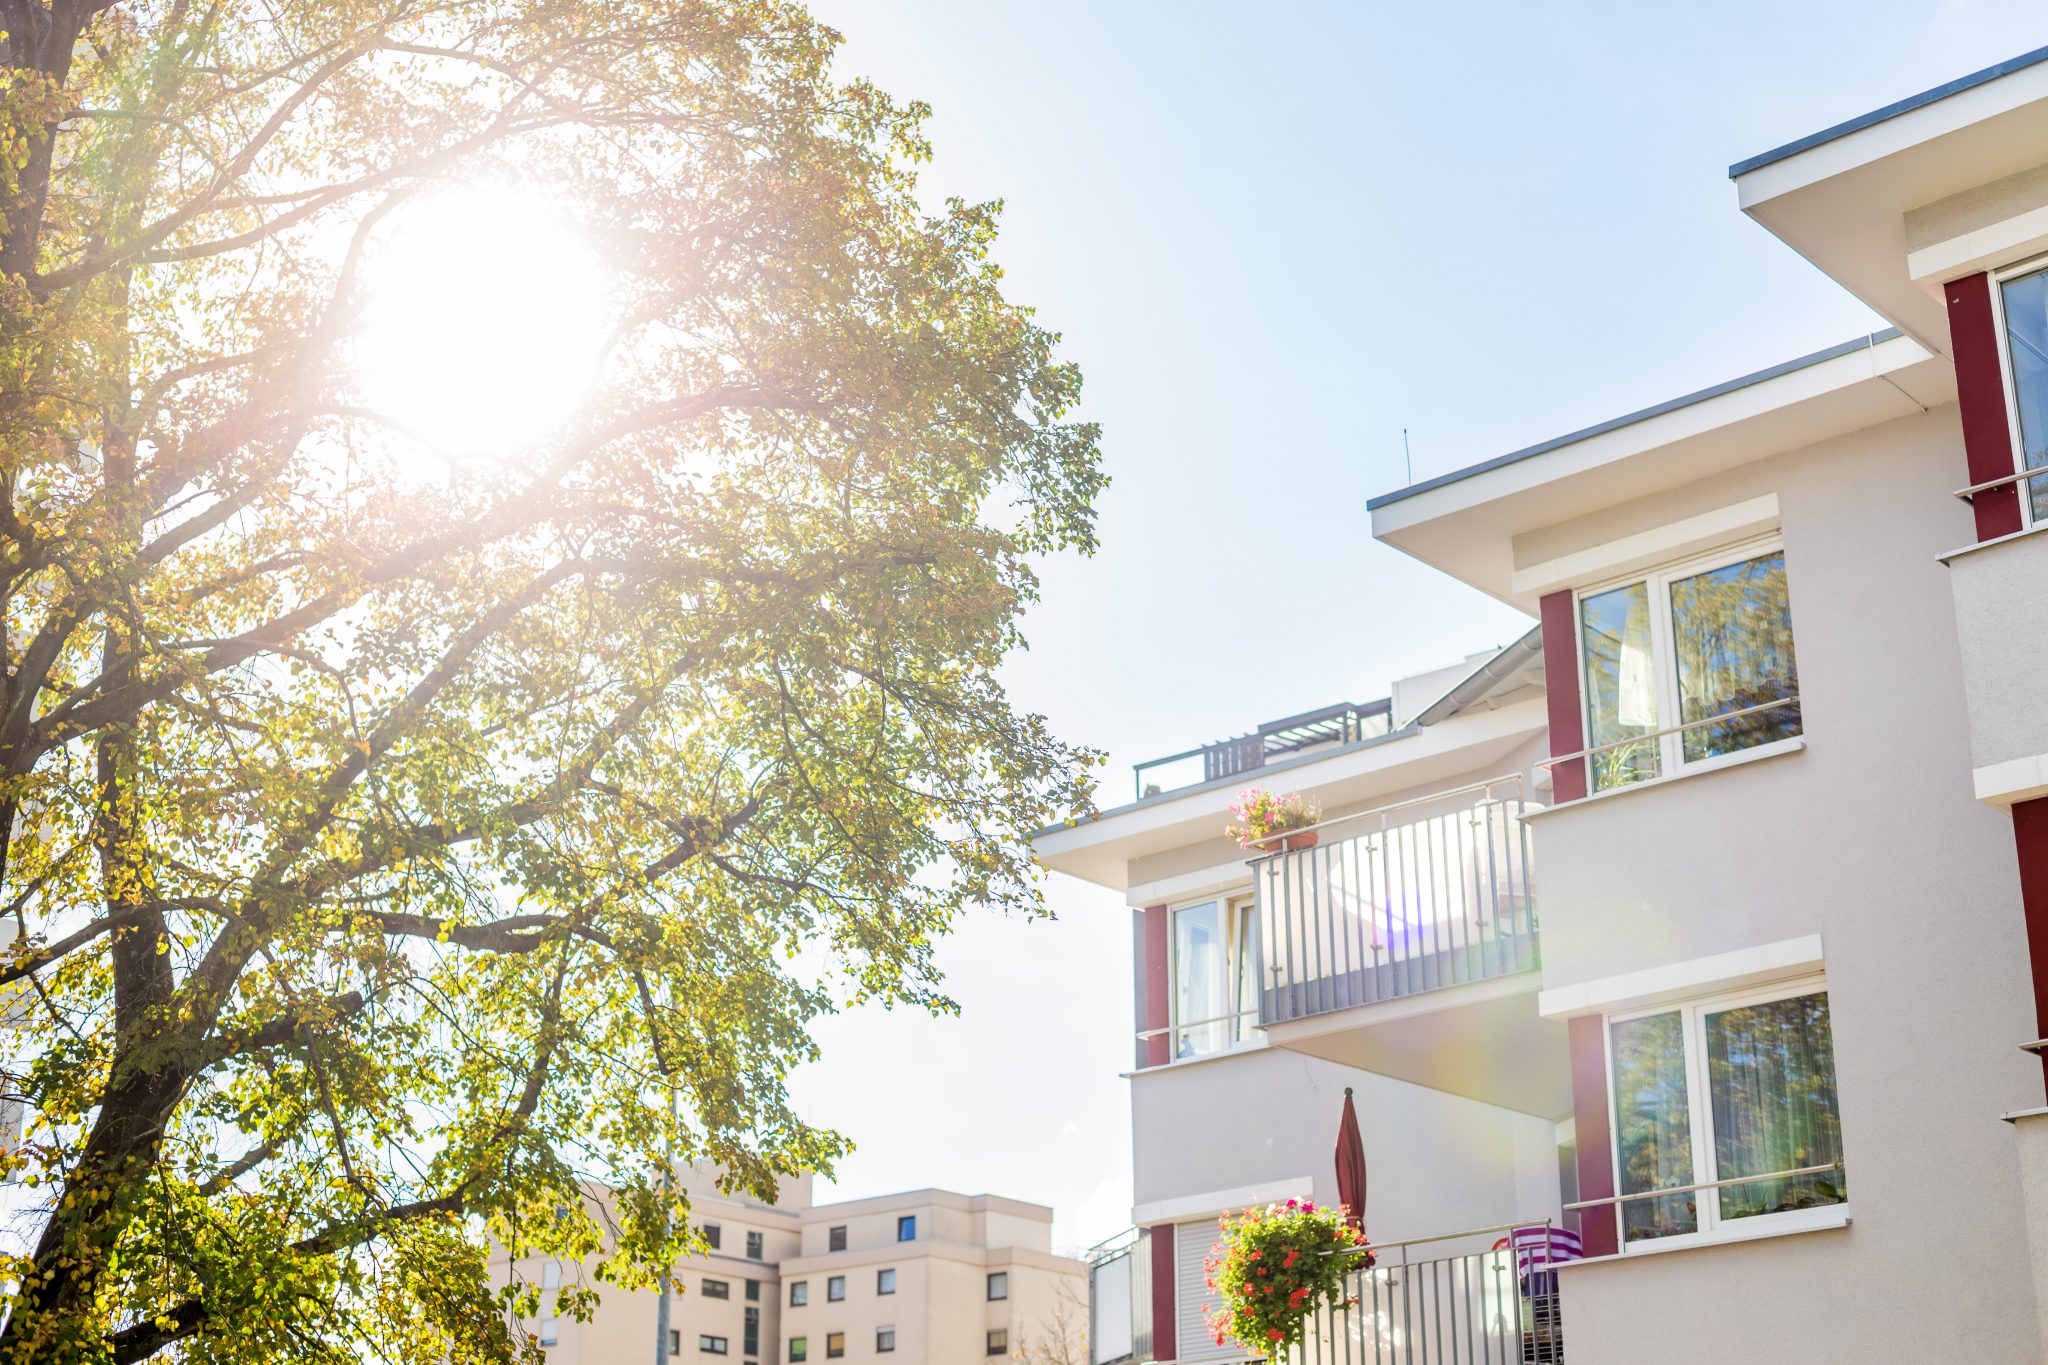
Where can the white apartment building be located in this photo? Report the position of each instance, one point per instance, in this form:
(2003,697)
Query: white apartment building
(1786,891)
(926,1277)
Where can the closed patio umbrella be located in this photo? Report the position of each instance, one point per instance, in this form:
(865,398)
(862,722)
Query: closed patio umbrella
(1351,1165)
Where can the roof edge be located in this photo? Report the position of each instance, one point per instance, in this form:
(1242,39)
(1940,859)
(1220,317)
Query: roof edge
(1889,111)
(1871,341)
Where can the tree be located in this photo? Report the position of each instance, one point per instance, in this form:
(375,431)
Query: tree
(1062,1336)
(388,829)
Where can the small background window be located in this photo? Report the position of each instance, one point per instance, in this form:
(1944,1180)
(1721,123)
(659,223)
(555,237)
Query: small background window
(999,1342)
(835,1239)
(906,1228)
(999,1285)
(885,1281)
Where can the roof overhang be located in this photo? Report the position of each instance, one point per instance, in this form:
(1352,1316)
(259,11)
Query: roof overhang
(1840,197)
(1464,524)
(1100,850)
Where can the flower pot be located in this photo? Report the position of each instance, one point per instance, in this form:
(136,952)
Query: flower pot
(1289,843)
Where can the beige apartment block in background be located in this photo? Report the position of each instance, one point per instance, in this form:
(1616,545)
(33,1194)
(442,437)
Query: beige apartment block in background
(928,1277)
(725,1299)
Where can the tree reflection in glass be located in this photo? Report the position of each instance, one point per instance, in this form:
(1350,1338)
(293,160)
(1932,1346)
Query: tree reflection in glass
(1732,635)
(1653,1125)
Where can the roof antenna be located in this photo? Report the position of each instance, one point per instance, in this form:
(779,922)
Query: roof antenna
(1407,458)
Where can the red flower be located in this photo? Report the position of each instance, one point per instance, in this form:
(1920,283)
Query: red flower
(1273,1332)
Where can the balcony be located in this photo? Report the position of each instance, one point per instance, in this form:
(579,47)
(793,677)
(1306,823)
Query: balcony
(1406,942)
(2002,627)
(1401,907)
(1328,728)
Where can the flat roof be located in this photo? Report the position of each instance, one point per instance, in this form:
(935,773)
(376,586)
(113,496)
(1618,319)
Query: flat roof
(1629,419)
(1890,111)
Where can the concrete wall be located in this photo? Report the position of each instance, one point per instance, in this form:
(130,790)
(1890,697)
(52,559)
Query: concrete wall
(1871,838)
(1435,1162)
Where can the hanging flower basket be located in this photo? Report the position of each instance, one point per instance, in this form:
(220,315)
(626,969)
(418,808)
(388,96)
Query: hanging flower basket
(1270,823)
(1275,1268)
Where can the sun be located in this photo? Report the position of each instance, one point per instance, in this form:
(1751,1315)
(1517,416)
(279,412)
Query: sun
(486,320)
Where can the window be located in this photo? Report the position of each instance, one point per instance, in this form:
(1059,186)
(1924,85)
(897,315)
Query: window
(799,1293)
(2023,300)
(999,1285)
(799,1348)
(717,1289)
(835,1289)
(551,1284)
(1737,1087)
(1680,647)
(675,1341)
(885,1340)
(753,1291)
(711,1346)
(885,1281)
(711,1235)
(835,1345)
(751,1340)
(753,1246)
(1215,985)
(835,1239)
(906,1228)
(999,1341)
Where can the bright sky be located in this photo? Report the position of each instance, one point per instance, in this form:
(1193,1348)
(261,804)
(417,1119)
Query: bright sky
(1273,237)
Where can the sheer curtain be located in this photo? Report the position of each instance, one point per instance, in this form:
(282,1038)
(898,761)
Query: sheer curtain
(1772,1076)
(1201,978)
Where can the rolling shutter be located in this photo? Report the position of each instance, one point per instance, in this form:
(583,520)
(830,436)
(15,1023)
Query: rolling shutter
(1193,1299)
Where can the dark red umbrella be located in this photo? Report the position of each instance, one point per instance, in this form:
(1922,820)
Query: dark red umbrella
(1351,1165)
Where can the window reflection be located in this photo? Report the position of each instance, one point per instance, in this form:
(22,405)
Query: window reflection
(1772,1075)
(2025,302)
(1731,633)
(1653,1125)
(1621,684)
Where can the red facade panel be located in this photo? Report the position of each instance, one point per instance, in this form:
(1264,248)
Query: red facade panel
(1561,686)
(1592,1131)
(2030,833)
(1165,1341)
(1980,396)
(1158,1047)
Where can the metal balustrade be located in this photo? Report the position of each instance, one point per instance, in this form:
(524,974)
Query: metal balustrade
(1430,1303)
(1409,906)
(1326,728)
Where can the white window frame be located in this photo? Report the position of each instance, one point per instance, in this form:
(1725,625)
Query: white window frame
(1244,1034)
(1671,760)
(2015,437)
(1710,1227)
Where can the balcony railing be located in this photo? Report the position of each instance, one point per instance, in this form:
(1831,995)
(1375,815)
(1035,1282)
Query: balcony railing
(1407,904)
(1344,723)
(1120,1299)
(1450,1301)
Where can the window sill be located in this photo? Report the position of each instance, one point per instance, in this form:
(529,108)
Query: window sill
(1762,752)
(1831,1221)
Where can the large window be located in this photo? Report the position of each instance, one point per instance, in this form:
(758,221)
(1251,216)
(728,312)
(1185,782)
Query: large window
(1215,980)
(1683,647)
(1720,1091)
(2023,299)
